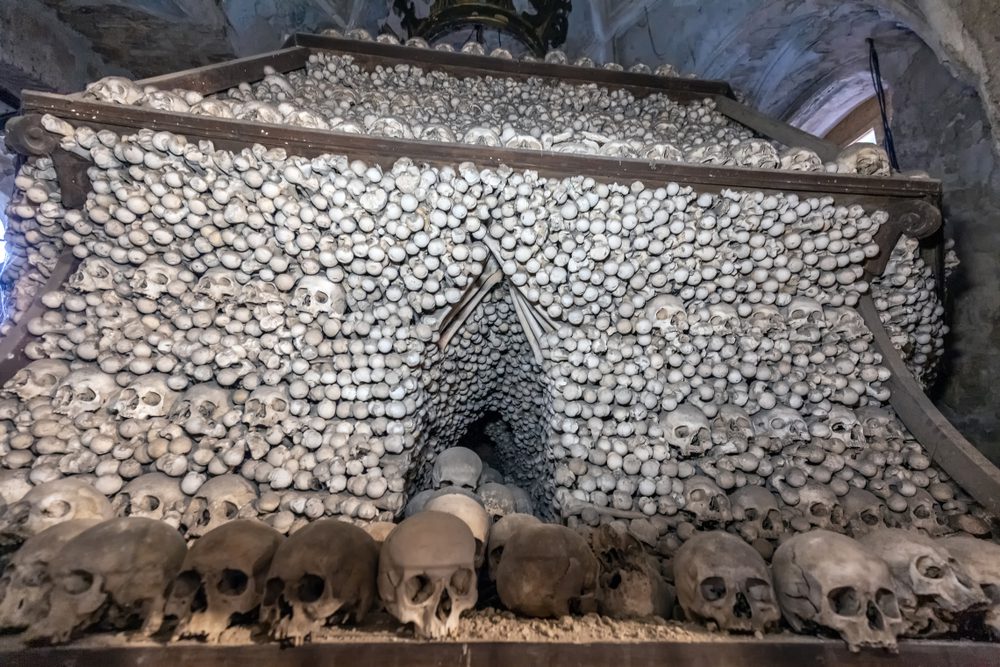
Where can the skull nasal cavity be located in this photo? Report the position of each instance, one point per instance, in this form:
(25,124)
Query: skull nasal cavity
(233,582)
(310,588)
(844,601)
(713,588)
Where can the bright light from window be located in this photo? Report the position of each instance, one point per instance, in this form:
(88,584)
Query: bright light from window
(868,137)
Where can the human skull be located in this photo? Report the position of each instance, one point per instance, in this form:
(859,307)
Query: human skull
(934,586)
(457,466)
(500,534)
(864,159)
(756,513)
(981,559)
(427,573)
(720,578)
(629,581)
(217,501)
(469,510)
(94,583)
(732,427)
(847,323)
(921,514)
(116,89)
(39,378)
(800,159)
(826,580)
(879,424)
(724,318)
(547,570)
(86,390)
(666,313)
(845,426)
(152,277)
(315,295)
(49,504)
(497,499)
(705,502)
(147,396)
(153,496)
(820,506)
(783,423)
(267,406)
(756,154)
(218,284)
(805,319)
(95,274)
(25,583)
(324,570)
(200,409)
(686,430)
(863,511)
(709,153)
(765,318)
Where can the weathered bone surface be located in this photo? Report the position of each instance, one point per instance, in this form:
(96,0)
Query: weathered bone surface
(114,573)
(629,584)
(427,573)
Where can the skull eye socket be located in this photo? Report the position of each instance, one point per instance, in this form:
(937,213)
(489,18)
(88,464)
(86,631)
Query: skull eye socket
(100,272)
(844,601)
(87,394)
(78,582)
(886,601)
(152,398)
(56,509)
(320,297)
(777,423)
(928,567)
(230,509)
(922,512)
(233,582)
(819,510)
(310,588)
(869,518)
(461,581)
(758,590)
(682,431)
(272,590)
(698,495)
(280,405)
(149,503)
(713,588)
(418,589)
(751,514)
(159,278)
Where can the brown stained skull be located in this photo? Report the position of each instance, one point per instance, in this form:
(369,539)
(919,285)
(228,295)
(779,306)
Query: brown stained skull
(25,584)
(217,501)
(322,573)
(500,534)
(548,571)
(935,588)
(49,504)
(221,582)
(863,511)
(427,573)
(114,573)
(629,583)
(756,513)
(722,579)
(981,558)
(825,580)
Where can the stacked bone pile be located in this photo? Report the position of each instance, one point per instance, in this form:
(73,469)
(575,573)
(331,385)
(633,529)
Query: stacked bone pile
(267,332)
(407,102)
(245,577)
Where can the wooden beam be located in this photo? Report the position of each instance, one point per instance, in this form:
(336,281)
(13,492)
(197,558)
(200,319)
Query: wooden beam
(223,76)
(775,129)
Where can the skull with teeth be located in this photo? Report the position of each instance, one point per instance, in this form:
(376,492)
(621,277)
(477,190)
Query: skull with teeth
(756,513)
(936,588)
(325,570)
(95,274)
(86,390)
(720,578)
(686,429)
(200,409)
(153,496)
(152,278)
(427,573)
(148,396)
(39,378)
(217,501)
(827,580)
(25,583)
(267,406)
(93,583)
(705,502)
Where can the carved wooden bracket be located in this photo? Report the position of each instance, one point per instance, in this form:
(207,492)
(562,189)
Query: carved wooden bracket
(913,217)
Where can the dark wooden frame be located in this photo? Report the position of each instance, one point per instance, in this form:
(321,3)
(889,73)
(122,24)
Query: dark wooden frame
(914,204)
